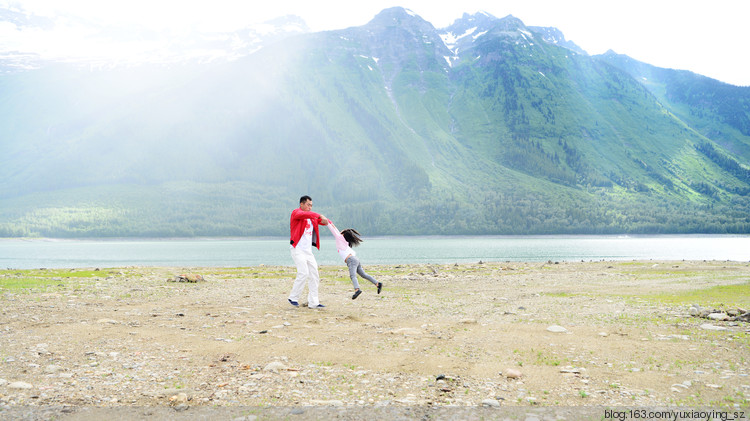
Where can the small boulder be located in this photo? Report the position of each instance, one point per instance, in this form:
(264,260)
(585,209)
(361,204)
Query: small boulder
(20,385)
(275,367)
(556,329)
(408,331)
(189,277)
(718,316)
(179,399)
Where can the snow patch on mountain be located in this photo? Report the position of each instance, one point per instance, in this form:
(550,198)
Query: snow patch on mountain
(450,39)
(411,13)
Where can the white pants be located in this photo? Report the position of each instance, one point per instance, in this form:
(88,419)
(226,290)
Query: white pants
(307,270)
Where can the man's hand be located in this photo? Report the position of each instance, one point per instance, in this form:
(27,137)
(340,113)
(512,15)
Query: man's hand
(323,220)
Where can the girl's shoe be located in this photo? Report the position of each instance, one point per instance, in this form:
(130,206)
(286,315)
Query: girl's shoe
(356,294)
(380,286)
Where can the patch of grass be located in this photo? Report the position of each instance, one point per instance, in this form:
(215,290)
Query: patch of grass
(340,280)
(21,283)
(54,273)
(624,319)
(547,359)
(561,294)
(727,295)
(236,270)
(742,338)
(672,273)
(389,272)
(43,278)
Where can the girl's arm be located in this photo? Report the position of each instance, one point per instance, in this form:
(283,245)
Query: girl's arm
(334,230)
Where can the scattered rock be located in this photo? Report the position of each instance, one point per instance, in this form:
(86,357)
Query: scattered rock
(707,326)
(556,329)
(169,393)
(408,331)
(108,321)
(734,315)
(492,403)
(744,316)
(512,373)
(327,403)
(190,277)
(275,367)
(51,369)
(181,407)
(20,385)
(180,398)
(572,370)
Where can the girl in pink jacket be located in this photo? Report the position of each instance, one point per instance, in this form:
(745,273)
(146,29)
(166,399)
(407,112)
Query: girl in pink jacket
(345,240)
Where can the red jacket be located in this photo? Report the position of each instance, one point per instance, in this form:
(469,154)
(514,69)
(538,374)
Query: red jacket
(298,223)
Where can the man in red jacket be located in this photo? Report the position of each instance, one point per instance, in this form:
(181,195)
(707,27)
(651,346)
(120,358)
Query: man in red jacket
(303,229)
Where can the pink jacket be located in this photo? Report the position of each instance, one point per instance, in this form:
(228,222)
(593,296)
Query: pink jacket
(341,245)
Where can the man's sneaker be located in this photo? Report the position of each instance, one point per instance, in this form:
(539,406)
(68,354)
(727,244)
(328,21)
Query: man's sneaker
(319,306)
(356,294)
(294,303)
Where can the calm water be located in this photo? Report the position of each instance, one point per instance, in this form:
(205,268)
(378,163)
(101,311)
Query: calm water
(45,253)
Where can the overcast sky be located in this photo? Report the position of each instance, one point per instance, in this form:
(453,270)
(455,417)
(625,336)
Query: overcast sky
(708,38)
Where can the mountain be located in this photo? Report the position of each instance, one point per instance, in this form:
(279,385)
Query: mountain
(716,109)
(555,36)
(395,127)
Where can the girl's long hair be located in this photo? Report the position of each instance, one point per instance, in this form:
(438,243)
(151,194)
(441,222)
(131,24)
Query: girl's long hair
(352,237)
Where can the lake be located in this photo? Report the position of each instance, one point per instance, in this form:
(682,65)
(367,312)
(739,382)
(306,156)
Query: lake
(233,252)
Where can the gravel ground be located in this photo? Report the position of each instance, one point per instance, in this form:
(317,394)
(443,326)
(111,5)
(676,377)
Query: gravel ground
(488,340)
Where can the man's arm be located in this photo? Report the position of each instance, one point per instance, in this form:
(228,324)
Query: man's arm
(300,214)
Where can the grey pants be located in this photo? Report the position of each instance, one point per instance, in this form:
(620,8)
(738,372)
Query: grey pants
(356,268)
